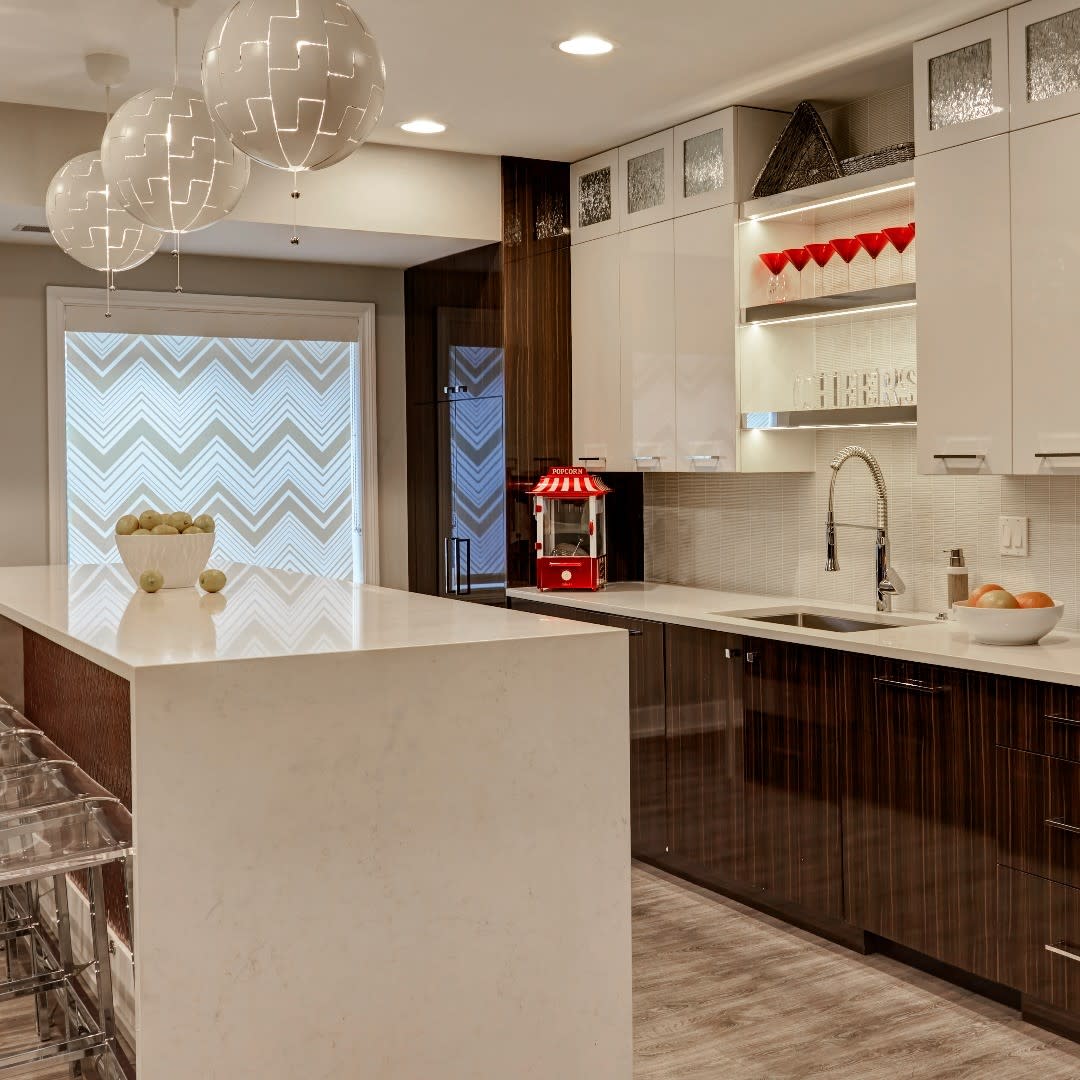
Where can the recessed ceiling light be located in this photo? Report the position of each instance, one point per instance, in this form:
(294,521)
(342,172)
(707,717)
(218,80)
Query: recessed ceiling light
(423,127)
(586,45)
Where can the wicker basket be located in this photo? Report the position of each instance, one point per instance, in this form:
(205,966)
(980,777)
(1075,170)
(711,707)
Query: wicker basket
(804,154)
(887,155)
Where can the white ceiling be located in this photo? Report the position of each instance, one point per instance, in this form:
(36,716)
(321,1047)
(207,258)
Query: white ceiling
(488,70)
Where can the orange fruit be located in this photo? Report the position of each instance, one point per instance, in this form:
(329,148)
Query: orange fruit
(980,591)
(1034,600)
(997,598)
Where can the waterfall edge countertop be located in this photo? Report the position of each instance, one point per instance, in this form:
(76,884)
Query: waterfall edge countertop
(99,613)
(920,637)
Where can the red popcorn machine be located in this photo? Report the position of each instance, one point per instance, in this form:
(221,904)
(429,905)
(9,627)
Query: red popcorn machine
(571,537)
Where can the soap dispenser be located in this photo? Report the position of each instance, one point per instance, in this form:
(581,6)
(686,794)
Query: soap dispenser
(958,576)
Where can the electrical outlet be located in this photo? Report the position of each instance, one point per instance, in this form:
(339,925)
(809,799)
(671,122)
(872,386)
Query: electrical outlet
(1013,532)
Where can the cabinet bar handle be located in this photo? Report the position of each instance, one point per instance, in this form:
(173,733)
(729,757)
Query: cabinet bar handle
(1057,454)
(635,633)
(703,457)
(1059,949)
(960,457)
(732,654)
(455,389)
(1064,720)
(1063,825)
(909,684)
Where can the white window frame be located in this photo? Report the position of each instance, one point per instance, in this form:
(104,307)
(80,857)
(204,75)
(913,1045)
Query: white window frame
(60,300)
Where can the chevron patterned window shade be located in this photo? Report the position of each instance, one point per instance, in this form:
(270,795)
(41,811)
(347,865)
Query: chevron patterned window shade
(263,434)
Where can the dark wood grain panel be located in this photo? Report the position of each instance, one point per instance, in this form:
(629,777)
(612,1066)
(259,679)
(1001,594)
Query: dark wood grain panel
(1036,913)
(536,207)
(1039,815)
(919,830)
(705,782)
(1044,719)
(86,711)
(647,722)
(796,703)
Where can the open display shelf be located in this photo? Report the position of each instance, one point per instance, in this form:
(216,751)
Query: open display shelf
(862,301)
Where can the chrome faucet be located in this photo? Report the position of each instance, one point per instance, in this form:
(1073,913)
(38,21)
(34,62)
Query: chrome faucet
(888,582)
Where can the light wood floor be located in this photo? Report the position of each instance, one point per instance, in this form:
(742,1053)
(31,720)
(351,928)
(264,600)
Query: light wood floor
(724,993)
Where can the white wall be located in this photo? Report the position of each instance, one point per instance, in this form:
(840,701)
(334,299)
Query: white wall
(25,271)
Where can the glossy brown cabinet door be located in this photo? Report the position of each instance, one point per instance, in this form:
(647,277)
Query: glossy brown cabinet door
(1040,938)
(705,751)
(920,852)
(648,773)
(796,699)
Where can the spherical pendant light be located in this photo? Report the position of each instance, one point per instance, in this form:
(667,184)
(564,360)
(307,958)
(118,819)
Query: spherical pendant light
(88,222)
(168,162)
(297,84)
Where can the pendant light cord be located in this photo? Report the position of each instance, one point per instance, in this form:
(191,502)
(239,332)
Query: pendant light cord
(176,46)
(109,286)
(295,241)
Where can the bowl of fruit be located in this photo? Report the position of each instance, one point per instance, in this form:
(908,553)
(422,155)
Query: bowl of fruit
(995,616)
(165,550)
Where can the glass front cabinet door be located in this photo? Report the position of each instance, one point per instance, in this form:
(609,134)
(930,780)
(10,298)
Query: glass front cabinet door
(646,181)
(1044,61)
(705,163)
(594,198)
(961,83)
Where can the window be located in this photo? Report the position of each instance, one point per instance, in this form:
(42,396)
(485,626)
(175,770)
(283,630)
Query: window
(264,432)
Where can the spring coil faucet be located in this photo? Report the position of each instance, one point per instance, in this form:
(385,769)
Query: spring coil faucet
(888,582)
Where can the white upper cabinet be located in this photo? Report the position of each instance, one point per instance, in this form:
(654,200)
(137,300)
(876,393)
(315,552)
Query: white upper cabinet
(1044,61)
(963,328)
(706,409)
(646,181)
(705,163)
(647,304)
(599,440)
(594,197)
(1045,254)
(961,81)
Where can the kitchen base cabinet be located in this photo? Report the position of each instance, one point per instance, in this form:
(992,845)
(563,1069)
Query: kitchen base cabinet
(795,706)
(648,772)
(919,846)
(705,751)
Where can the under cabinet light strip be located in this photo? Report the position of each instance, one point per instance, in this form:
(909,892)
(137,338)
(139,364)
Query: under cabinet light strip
(833,202)
(835,314)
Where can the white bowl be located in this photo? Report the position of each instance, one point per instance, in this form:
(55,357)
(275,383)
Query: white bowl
(1007,626)
(179,559)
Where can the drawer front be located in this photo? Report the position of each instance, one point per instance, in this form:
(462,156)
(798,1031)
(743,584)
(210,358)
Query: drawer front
(1039,815)
(1039,946)
(1042,719)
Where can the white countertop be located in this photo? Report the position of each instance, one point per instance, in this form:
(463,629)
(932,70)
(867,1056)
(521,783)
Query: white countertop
(97,612)
(923,639)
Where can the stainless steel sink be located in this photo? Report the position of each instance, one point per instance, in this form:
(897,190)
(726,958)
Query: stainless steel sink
(811,620)
(835,622)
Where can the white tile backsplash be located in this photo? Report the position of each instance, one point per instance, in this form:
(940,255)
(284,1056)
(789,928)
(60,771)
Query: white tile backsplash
(766,533)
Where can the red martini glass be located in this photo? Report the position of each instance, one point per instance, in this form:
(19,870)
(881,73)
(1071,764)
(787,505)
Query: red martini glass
(821,254)
(847,247)
(873,243)
(900,236)
(798,257)
(775,261)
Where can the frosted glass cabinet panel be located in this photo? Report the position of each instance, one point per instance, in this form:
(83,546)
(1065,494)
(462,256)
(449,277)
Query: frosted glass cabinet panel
(646,181)
(963,329)
(705,163)
(594,200)
(1044,61)
(961,82)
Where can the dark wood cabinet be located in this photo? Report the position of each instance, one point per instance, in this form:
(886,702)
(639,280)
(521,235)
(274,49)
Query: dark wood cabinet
(919,844)
(796,700)
(705,752)
(648,728)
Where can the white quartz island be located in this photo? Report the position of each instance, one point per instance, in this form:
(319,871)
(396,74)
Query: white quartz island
(378,835)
